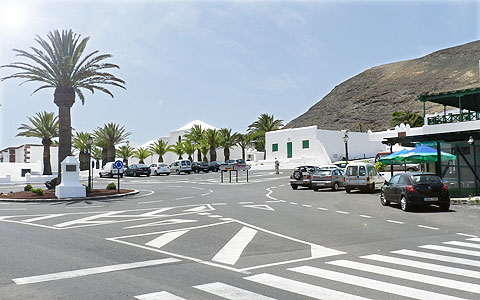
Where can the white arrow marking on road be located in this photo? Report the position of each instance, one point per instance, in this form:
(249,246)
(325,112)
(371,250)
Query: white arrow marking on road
(159,296)
(166,238)
(197,209)
(88,220)
(160,223)
(231,252)
(43,218)
(230,292)
(152,213)
(260,206)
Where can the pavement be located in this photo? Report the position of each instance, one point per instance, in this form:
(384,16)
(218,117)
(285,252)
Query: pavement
(192,237)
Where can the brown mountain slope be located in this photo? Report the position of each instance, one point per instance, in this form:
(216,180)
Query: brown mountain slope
(367,100)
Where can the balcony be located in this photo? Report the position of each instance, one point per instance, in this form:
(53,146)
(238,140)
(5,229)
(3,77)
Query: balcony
(453,118)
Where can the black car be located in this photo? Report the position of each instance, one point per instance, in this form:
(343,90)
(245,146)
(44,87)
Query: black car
(200,167)
(137,170)
(414,188)
(214,166)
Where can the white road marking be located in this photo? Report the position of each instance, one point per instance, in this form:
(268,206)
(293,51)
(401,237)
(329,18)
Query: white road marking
(205,194)
(222,203)
(301,288)
(162,223)
(91,271)
(145,195)
(197,188)
(159,296)
(215,216)
(43,218)
(246,202)
(197,209)
(260,206)
(12,208)
(463,244)
(393,221)
(272,201)
(365,216)
(183,198)
(204,213)
(226,219)
(322,208)
(155,212)
(428,227)
(445,258)
(91,206)
(268,194)
(372,284)
(342,212)
(230,292)
(452,250)
(467,235)
(474,239)
(422,265)
(165,238)
(146,202)
(230,253)
(89,220)
(294,203)
(306,205)
(173,186)
(282,185)
(433,280)
(282,200)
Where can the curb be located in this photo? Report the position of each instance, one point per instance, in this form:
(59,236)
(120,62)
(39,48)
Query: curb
(465,201)
(70,199)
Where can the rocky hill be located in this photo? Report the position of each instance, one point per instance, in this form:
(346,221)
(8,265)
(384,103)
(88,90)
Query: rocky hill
(367,100)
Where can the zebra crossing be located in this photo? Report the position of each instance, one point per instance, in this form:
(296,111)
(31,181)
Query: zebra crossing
(449,270)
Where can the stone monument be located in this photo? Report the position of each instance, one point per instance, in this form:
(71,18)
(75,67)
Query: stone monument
(70,186)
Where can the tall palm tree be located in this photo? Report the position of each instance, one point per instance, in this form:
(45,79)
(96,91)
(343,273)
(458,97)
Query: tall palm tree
(262,125)
(108,137)
(189,149)
(178,149)
(125,152)
(212,136)
(160,147)
(195,135)
(406,117)
(97,156)
(80,143)
(59,63)
(243,141)
(203,147)
(44,126)
(227,141)
(141,153)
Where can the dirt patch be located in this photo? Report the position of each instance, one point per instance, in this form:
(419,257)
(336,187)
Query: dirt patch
(50,194)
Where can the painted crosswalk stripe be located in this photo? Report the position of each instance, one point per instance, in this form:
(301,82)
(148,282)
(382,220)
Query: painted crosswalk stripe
(393,221)
(165,238)
(231,252)
(42,218)
(423,265)
(428,227)
(463,244)
(230,292)
(445,258)
(452,250)
(433,280)
(159,296)
(475,239)
(301,288)
(92,271)
(372,284)
(467,235)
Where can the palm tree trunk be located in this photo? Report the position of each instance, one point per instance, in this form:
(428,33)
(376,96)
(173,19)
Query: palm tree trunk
(64,99)
(111,154)
(243,153)
(104,156)
(199,155)
(226,153)
(83,156)
(205,158)
(160,158)
(213,154)
(47,166)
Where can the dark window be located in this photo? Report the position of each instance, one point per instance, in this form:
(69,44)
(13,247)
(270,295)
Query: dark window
(362,172)
(352,171)
(403,180)
(305,144)
(394,179)
(274,147)
(425,179)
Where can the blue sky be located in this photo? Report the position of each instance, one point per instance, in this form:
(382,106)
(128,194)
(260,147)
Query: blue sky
(222,62)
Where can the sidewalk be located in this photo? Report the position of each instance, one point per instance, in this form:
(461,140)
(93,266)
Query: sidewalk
(465,201)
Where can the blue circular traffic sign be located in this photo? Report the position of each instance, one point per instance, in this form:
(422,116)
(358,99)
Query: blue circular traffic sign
(118,164)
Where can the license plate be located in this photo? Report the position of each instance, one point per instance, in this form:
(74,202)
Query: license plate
(319,183)
(431,199)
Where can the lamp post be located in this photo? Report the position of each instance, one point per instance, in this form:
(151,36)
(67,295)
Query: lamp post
(89,143)
(128,146)
(345,140)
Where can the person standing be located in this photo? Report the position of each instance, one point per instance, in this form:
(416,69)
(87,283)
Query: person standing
(277,166)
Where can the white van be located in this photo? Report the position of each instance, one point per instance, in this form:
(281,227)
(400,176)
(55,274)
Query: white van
(180,166)
(108,170)
(362,176)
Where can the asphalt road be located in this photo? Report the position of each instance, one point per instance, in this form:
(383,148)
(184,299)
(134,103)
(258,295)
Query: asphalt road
(191,237)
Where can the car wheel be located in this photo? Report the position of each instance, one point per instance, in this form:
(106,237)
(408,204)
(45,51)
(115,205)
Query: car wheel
(111,175)
(148,175)
(178,172)
(315,189)
(101,176)
(167,174)
(134,174)
(335,186)
(404,204)
(444,207)
(372,188)
(294,186)
(188,172)
(348,190)
(155,173)
(206,171)
(384,200)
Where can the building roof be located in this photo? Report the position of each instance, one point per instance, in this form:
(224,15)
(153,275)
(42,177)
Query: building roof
(196,122)
(470,98)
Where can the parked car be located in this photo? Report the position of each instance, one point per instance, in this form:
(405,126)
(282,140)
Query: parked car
(214,166)
(362,176)
(200,167)
(414,188)
(159,168)
(302,176)
(137,170)
(341,164)
(181,166)
(328,178)
(330,167)
(407,167)
(109,171)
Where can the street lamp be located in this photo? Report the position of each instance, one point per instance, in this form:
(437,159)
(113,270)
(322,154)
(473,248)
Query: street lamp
(126,162)
(89,143)
(345,140)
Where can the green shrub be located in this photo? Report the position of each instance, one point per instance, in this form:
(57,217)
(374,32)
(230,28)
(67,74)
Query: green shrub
(380,167)
(111,186)
(28,187)
(38,191)
(87,189)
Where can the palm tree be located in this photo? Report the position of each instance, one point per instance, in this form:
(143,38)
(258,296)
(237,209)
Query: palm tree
(195,136)
(125,152)
(212,136)
(178,149)
(80,142)
(60,64)
(264,124)
(227,141)
(407,117)
(141,153)
(108,137)
(160,147)
(189,149)
(203,148)
(243,141)
(45,127)
(97,155)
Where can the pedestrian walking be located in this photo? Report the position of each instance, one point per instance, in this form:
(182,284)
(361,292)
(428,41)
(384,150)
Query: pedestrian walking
(277,166)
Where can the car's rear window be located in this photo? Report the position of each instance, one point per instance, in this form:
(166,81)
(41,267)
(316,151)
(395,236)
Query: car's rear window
(323,172)
(142,166)
(425,179)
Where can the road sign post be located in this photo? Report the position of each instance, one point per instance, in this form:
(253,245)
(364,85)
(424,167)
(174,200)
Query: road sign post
(118,165)
(233,168)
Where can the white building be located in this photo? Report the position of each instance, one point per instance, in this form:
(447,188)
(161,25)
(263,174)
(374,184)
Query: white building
(16,160)
(317,146)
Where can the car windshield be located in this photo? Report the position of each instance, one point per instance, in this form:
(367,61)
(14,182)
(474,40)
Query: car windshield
(425,179)
(142,166)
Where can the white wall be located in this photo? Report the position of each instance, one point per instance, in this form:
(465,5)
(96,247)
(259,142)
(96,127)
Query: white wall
(15,169)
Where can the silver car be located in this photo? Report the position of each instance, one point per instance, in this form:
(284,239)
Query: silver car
(302,176)
(328,178)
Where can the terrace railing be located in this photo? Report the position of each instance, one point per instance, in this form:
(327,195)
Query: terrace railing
(454,118)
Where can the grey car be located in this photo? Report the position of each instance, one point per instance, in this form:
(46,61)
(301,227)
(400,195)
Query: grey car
(302,176)
(328,178)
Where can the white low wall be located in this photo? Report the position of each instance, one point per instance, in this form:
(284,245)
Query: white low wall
(15,169)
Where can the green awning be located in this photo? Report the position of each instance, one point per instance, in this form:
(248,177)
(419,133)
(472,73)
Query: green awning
(469,98)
